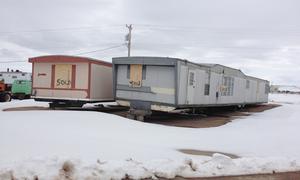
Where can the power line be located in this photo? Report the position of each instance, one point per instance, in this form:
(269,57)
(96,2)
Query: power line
(59,29)
(13,61)
(100,50)
(214,29)
(196,45)
(87,52)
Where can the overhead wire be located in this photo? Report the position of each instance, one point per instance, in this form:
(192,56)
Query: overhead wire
(87,52)
(151,27)
(203,28)
(59,29)
(13,61)
(100,50)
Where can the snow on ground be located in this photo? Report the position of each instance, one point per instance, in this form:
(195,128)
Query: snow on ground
(85,144)
(21,103)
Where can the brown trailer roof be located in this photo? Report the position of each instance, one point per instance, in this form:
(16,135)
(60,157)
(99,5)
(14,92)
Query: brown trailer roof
(67,59)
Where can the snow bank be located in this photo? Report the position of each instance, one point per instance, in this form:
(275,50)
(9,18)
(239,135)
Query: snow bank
(217,165)
(94,145)
(22,103)
(285,98)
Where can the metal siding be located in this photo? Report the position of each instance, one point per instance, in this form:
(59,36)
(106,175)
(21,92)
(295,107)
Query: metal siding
(158,78)
(199,92)
(42,75)
(176,73)
(81,75)
(182,87)
(142,96)
(101,82)
(146,60)
(240,94)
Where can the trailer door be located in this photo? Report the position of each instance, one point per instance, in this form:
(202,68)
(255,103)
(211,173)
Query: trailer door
(191,86)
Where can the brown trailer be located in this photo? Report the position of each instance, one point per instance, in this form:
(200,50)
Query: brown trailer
(71,80)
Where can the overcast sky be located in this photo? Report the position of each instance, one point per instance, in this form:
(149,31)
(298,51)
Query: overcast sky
(260,37)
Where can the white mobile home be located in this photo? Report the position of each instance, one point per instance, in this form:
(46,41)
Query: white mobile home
(167,84)
(71,80)
(10,76)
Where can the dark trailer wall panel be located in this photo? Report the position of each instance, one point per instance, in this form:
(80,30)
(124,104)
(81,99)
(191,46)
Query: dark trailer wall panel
(157,82)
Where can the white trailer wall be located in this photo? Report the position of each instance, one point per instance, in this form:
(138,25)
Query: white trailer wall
(101,82)
(241,95)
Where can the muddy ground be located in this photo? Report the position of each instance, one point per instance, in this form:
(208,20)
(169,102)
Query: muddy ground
(210,118)
(272,176)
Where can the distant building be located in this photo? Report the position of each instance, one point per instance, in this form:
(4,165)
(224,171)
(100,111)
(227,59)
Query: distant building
(286,89)
(10,76)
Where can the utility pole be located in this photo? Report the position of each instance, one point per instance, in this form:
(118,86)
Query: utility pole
(128,38)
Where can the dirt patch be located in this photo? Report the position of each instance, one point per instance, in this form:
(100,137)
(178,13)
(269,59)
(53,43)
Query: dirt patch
(109,109)
(205,153)
(67,171)
(272,176)
(27,108)
(213,118)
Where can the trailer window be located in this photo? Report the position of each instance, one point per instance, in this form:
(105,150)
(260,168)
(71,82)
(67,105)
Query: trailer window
(247,84)
(0,74)
(207,82)
(14,77)
(227,86)
(192,79)
(206,89)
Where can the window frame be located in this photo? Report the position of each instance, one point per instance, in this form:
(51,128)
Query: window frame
(228,86)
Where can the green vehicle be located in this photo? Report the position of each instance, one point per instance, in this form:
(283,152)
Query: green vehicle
(21,89)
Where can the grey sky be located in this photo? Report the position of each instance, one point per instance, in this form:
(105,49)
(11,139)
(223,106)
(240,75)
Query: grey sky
(260,37)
